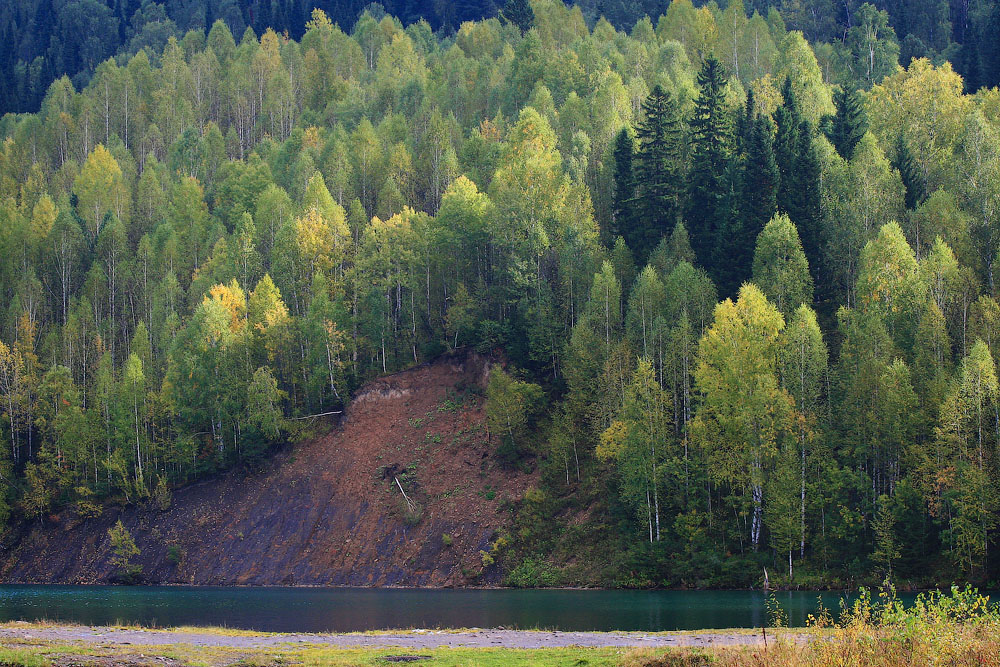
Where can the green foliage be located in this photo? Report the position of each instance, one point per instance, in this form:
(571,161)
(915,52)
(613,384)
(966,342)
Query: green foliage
(530,573)
(886,547)
(162,495)
(511,406)
(708,212)
(849,124)
(518,13)
(412,514)
(658,171)
(873,50)
(174,554)
(123,551)
(638,444)
(212,239)
(746,417)
(780,268)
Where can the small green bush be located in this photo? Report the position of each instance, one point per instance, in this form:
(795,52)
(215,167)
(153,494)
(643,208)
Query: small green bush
(412,514)
(162,495)
(531,573)
(174,554)
(123,550)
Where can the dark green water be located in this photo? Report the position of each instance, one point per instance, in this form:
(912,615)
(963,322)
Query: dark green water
(349,609)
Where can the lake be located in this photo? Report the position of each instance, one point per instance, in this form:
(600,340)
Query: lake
(281,609)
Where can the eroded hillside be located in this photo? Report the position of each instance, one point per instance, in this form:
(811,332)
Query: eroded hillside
(329,511)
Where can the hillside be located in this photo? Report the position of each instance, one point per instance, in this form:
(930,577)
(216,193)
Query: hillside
(327,511)
(742,276)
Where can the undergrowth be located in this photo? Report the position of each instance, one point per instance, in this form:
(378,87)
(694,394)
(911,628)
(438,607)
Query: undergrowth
(961,627)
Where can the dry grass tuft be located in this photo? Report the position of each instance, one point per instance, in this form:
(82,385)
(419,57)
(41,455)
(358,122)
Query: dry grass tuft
(960,629)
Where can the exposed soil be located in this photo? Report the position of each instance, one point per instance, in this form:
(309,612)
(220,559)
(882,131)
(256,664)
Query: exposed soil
(327,511)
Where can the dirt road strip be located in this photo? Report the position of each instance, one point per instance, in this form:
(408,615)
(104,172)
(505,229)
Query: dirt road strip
(412,639)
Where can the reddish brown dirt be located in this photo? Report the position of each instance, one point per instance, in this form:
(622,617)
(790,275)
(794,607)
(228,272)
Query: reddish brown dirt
(327,511)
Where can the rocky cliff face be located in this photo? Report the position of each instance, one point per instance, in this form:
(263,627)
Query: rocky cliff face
(327,511)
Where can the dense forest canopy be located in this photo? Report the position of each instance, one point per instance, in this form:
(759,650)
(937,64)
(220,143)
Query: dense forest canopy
(742,282)
(42,40)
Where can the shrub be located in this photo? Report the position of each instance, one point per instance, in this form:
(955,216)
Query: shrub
(86,508)
(432,349)
(174,554)
(412,513)
(162,495)
(531,573)
(123,550)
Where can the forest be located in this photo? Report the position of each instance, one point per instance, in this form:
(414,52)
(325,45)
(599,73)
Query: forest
(736,271)
(40,40)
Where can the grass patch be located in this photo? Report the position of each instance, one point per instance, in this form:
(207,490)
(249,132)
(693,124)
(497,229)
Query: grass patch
(22,658)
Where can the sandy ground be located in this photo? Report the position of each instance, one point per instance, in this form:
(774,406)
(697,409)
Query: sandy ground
(408,639)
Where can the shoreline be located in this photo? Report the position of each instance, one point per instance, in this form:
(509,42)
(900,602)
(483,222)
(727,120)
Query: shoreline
(914,589)
(417,638)
(877,644)
(40,645)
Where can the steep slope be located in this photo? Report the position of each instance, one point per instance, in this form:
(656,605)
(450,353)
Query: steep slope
(328,511)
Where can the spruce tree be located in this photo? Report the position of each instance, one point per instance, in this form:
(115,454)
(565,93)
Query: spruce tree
(624,199)
(806,209)
(744,125)
(799,175)
(519,13)
(909,171)
(658,172)
(758,201)
(786,145)
(708,197)
(970,59)
(850,123)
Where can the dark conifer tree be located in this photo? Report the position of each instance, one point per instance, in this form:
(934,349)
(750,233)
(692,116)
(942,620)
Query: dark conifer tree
(519,13)
(970,63)
(909,171)
(210,15)
(744,125)
(807,199)
(850,123)
(121,12)
(759,197)
(8,57)
(624,202)
(987,46)
(786,145)
(657,172)
(800,170)
(708,213)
